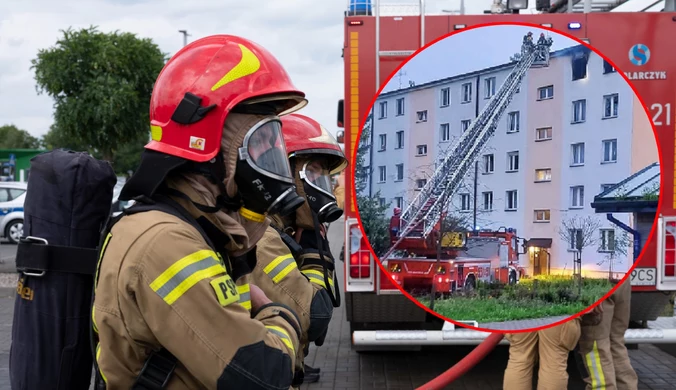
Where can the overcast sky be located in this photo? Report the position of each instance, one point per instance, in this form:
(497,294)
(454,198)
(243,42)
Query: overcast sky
(469,51)
(305,35)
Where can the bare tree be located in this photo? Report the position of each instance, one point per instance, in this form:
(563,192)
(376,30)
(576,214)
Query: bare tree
(615,246)
(579,233)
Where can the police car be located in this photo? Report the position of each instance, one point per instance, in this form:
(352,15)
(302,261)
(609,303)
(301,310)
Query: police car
(12,196)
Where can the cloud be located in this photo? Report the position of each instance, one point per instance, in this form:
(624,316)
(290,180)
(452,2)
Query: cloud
(305,35)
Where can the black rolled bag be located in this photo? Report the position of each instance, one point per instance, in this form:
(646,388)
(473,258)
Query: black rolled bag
(68,201)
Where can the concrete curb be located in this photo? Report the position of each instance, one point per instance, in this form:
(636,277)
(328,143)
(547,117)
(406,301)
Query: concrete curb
(8,280)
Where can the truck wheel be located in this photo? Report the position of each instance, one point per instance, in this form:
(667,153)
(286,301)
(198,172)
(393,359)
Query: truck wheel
(512,278)
(470,283)
(14,231)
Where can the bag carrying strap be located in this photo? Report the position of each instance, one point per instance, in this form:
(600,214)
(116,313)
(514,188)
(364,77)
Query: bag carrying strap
(35,256)
(294,247)
(157,371)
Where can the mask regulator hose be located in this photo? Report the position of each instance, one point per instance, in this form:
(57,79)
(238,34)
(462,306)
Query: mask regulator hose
(464,365)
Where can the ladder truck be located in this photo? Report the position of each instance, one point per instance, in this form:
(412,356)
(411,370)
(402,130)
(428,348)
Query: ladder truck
(422,219)
(380,34)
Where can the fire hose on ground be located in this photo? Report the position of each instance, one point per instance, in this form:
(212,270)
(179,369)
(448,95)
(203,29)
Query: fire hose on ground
(464,365)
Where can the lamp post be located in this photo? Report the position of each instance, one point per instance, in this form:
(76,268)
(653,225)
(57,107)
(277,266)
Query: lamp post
(185,36)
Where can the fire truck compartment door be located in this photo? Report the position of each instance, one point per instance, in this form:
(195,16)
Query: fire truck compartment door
(503,253)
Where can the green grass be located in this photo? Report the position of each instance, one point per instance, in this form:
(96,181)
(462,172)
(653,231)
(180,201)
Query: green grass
(549,296)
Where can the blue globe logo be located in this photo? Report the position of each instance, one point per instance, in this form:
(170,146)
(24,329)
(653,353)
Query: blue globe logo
(639,54)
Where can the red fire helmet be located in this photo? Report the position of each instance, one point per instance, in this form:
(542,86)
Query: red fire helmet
(305,136)
(202,83)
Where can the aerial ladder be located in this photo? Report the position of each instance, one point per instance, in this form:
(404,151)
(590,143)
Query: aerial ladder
(420,217)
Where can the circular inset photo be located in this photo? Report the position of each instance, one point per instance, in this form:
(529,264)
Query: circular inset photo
(491,175)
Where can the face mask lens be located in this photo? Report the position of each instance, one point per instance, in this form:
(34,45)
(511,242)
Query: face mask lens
(267,150)
(317,175)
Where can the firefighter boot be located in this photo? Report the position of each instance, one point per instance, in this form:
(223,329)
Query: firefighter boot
(625,376)
(555,343)
(311,370)
(522,356)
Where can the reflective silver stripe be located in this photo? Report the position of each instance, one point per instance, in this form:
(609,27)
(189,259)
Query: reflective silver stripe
(185,273)
(281,267)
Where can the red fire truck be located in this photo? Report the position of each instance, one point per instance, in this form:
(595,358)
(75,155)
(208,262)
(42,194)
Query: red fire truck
(378,38)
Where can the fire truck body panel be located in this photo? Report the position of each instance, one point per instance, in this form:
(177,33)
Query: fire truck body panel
(371,55)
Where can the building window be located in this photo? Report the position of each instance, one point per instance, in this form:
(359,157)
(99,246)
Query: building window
(465,204)
(399,202)
(543,134)
(610,151)
(445,132)
(513,122)
(608,68)
(488,200)
(577,154)
(543,175)
(400,172)
(489,87)
(512,200)
(607,240)
(512,161)
(422,150)
(382,201)
(464,125)
(383,142)
(488,163)
(577,197)
(541,215)
(445,97)
(579,111)
(400,139)
(606,187)
(575,238)
(400,107)
(382,112)
(610,104)
(422,116)
(579,64)
(420,183)
(545,93)
(466,93)
(382,174)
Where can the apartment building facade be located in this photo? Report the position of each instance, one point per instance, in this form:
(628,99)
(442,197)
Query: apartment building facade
(571,130)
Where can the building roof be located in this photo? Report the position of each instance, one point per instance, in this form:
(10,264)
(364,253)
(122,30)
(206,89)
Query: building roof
(637,193)
(558,53)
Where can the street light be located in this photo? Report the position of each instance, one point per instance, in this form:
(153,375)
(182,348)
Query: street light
(185,36)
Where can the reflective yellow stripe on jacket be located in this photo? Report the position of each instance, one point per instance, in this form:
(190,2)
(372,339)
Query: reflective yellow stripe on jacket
(185,273)
(244,292)
(283,335)
(317,277)
(280,267)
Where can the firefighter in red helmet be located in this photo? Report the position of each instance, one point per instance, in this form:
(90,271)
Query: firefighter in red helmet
(302,277)
(167,310)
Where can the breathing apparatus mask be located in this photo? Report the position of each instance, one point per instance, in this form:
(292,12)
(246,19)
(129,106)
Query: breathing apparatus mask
(318,190)
(263,174)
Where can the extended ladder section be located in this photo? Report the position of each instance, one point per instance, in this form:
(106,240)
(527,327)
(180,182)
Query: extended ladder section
(420,217)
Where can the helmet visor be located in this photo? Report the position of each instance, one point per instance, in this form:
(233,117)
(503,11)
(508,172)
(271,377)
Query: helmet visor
(266,149)
(316,174)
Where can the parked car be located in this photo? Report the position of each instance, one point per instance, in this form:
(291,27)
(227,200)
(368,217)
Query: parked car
(12,197)
(120,205)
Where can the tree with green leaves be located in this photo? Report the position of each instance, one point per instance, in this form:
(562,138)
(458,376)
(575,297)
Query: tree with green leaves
(371,212)
(101,85)
(11,137)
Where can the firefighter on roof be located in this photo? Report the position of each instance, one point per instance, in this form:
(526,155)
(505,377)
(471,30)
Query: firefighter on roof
(315,156)
(602,350)
(167,312)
